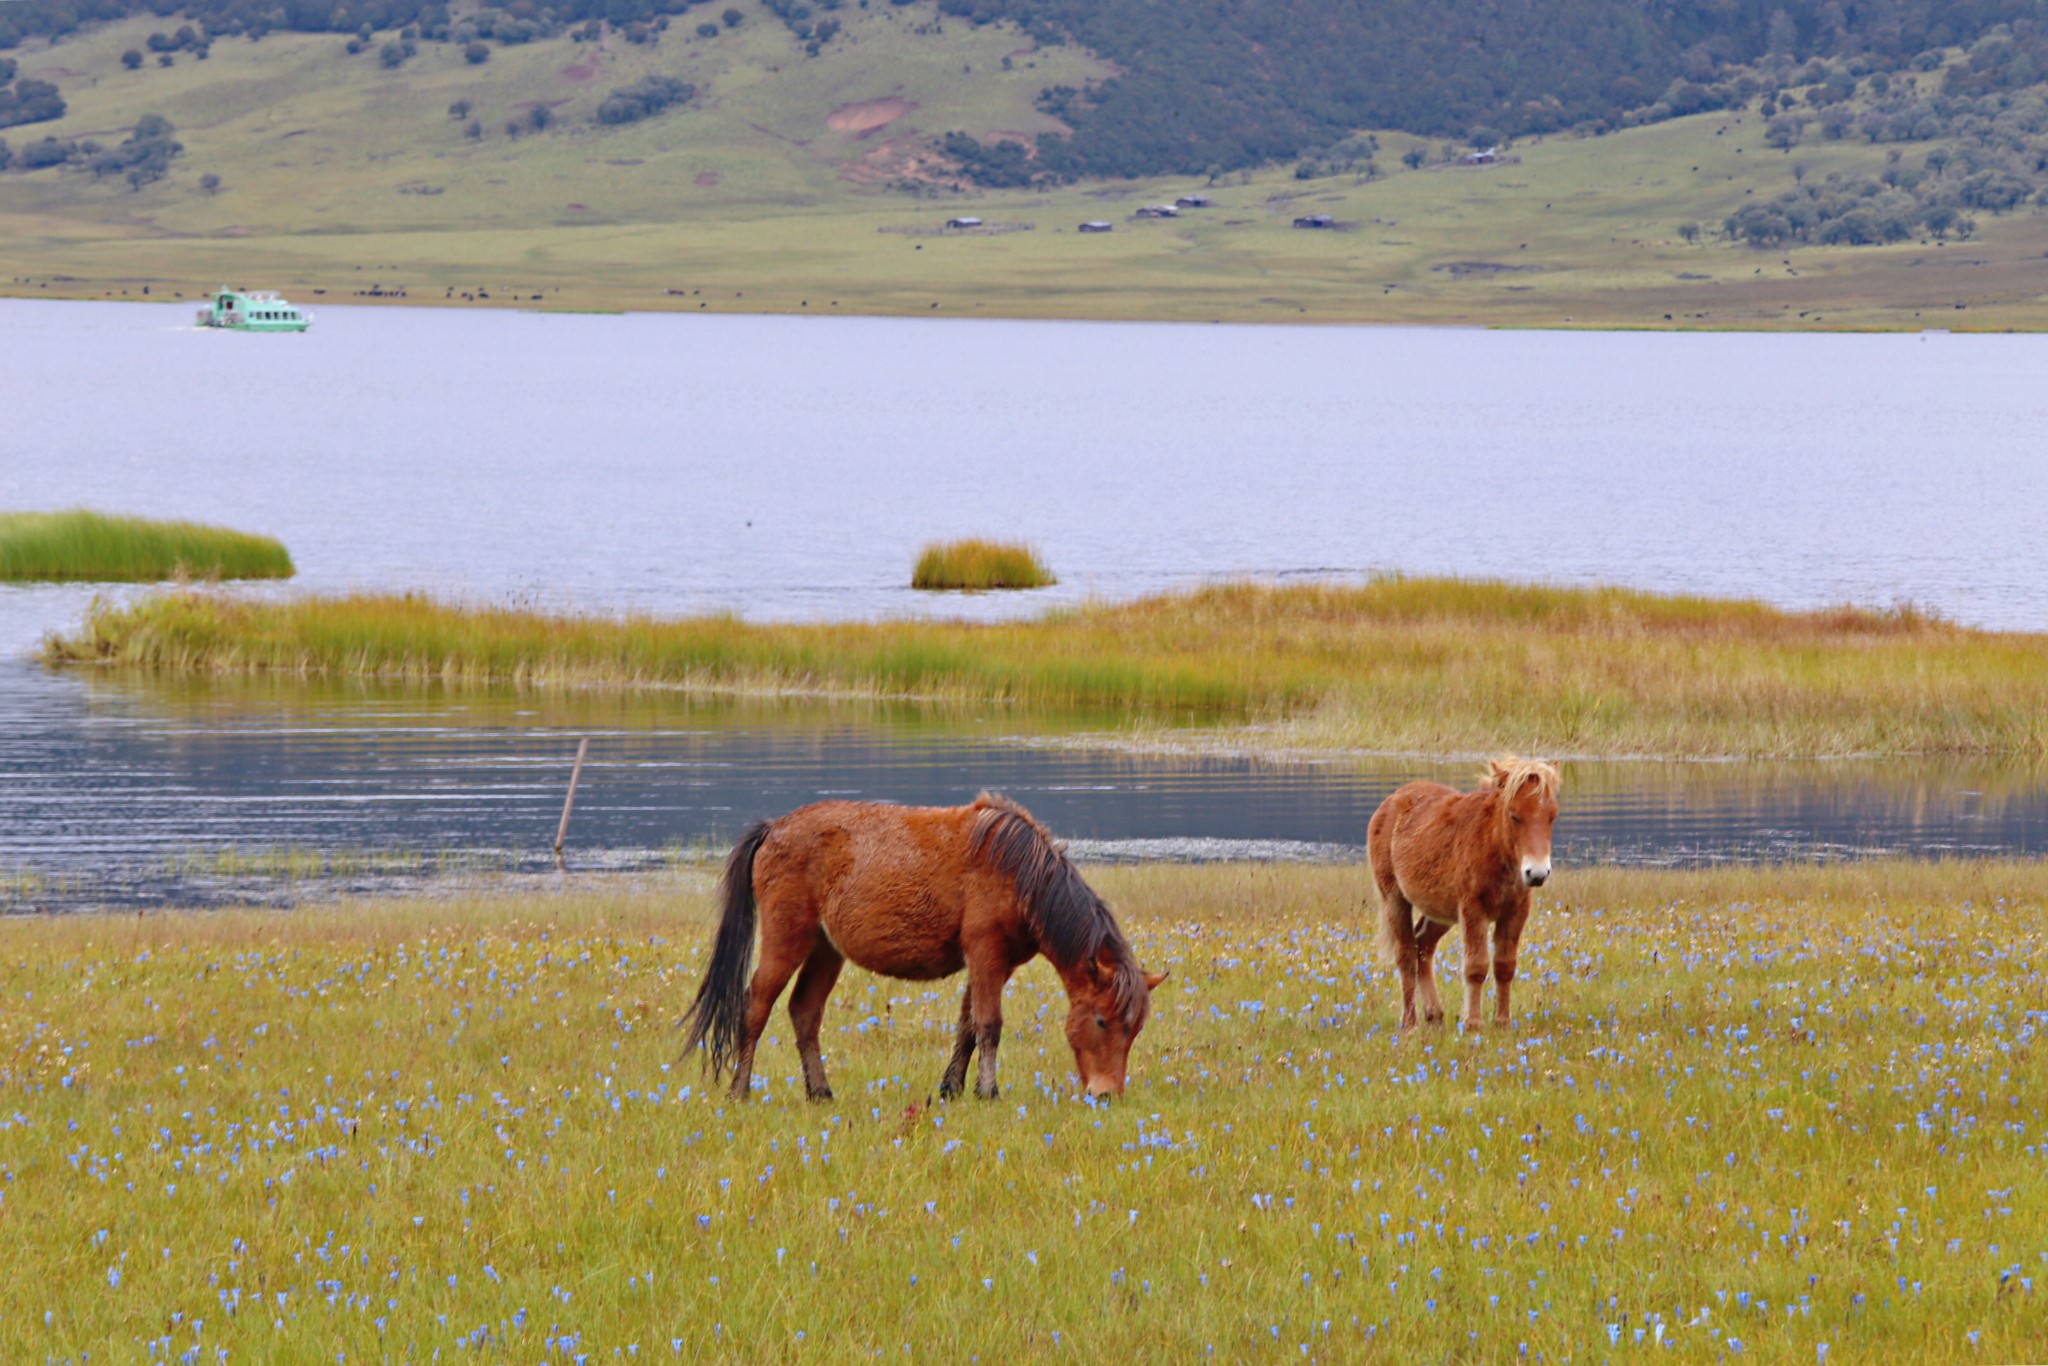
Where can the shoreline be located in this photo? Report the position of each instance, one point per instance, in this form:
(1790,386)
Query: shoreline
(630,303)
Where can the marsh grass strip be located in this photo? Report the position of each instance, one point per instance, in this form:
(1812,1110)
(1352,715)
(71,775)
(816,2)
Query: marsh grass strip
(1402,665)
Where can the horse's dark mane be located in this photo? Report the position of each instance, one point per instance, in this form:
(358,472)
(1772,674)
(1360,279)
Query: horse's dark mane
(1073,923)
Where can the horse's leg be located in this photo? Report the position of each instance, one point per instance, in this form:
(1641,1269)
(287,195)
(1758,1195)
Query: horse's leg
(985,983)
(1426,939)
(1397,938)
(784,947)
(1475,926)
(807,1012)
(963,1046)
(1507,940)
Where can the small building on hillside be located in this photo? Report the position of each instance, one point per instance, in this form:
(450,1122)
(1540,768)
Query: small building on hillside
(1157,211)
(1483,156)
(1097,225)
(1315,220)
(1193,201)
(963,222)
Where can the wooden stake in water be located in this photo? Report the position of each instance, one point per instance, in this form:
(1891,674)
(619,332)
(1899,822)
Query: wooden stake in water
(569,802)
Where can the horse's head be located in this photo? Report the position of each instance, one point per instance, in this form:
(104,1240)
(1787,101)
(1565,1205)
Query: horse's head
(1108,1002)
(1528,795)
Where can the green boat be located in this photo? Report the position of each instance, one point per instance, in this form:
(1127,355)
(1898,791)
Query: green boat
(253,310)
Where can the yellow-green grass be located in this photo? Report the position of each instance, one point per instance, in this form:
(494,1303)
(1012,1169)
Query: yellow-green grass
(338,176)
(1773,1108)
(1396,665)
(976,563)
(95,547)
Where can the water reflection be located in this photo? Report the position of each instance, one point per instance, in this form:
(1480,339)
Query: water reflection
(127,792)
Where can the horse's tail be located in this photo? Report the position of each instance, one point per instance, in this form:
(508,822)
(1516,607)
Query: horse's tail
(718,1016)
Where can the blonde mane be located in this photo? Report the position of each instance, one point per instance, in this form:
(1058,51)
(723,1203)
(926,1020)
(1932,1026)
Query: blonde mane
(1508,772)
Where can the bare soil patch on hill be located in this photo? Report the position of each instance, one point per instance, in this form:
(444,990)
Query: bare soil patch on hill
(864,118)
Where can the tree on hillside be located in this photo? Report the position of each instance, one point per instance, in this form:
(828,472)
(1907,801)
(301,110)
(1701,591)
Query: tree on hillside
(144,157)
(29,102)
(644,98)
(37,156)
(132,59)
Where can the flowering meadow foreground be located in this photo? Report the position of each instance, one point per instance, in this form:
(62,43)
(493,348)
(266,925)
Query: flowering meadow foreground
(1788,1115)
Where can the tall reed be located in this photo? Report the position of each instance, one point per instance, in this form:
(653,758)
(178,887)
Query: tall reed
(81,545)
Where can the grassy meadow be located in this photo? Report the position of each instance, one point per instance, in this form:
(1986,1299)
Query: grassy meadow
(93,547)
(1786,1114)
(773,194)
(979,564)
(1396,665)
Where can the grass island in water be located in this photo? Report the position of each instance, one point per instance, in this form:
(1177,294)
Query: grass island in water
(979,564)
(84,546)
(1397,665)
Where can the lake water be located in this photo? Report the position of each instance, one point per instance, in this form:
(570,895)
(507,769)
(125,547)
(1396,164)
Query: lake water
(129,793)
(791,468)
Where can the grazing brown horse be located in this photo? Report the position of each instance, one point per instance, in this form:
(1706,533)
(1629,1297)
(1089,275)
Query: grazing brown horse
(917,893)
(1441,857)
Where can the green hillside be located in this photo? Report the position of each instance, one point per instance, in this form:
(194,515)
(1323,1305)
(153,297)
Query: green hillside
(796,182)
(307,137)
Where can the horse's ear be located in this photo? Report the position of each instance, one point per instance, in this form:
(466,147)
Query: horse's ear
(1099,972)
(1500,773)
(1155,980)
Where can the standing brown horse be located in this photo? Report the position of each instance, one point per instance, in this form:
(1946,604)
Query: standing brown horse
(1441,857)
(918,893)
